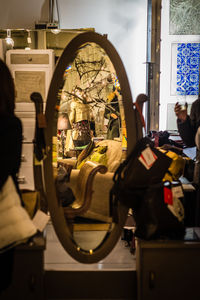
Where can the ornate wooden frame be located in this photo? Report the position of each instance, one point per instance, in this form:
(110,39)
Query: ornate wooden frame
(56,211)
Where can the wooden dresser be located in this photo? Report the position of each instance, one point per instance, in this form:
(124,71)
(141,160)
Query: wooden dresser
(168,269)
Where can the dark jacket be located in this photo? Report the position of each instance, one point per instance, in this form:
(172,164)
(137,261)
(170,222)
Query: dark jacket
(188,129)
(10,148)
(10,158)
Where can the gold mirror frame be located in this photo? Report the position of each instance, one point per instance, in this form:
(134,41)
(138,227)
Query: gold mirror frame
(56,211)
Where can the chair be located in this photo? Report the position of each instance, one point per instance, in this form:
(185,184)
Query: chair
(82,184)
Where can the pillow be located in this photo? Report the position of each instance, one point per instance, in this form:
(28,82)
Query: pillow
(85,152)
(113,153)
(98,154)
(106,152)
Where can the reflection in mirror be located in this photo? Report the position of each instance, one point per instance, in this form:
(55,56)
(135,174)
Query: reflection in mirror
(89,143)
(40,39)
(92,100)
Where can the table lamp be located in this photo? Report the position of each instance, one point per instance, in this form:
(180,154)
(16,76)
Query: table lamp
(63,125)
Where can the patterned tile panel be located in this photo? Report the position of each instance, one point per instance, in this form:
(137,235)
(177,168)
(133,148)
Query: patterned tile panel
(188,68)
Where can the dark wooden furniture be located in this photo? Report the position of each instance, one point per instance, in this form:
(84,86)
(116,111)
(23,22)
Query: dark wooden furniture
(168,269)
(28,273)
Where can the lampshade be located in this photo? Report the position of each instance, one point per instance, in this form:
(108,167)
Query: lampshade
(63,122)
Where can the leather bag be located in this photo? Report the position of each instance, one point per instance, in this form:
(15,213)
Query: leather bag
(138,184)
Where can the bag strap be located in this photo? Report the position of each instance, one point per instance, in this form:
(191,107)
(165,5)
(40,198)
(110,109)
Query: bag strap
(137,106)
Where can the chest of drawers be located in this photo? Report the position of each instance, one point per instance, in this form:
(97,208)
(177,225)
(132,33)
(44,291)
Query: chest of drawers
(32,71)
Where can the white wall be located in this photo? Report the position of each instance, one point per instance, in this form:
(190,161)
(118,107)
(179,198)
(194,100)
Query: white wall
(22,13)
(123,20)
(166,67)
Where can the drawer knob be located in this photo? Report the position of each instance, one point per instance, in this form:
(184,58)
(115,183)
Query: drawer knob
(152,276)
(23,158)
(21,180)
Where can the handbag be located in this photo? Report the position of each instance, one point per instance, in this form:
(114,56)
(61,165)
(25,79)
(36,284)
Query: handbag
(134,176)
(138,184)
(15,223)
(161,214)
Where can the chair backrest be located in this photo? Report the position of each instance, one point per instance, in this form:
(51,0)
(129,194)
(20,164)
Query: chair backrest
(84,190)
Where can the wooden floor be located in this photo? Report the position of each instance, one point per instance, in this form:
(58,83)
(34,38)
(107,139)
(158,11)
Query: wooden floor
(112,278)
(57,259)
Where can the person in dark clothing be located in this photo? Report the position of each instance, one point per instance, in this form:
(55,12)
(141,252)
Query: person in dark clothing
(187,128)
(10,155)
(188,125)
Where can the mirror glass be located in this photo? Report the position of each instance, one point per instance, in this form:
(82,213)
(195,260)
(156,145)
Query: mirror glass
(89,130)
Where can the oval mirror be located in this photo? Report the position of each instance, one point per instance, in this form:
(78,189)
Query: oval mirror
(90,121)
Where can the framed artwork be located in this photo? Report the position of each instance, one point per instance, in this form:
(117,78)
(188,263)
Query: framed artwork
(28,81)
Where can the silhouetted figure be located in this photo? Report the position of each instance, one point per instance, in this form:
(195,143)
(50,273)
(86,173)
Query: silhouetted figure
(10,155)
